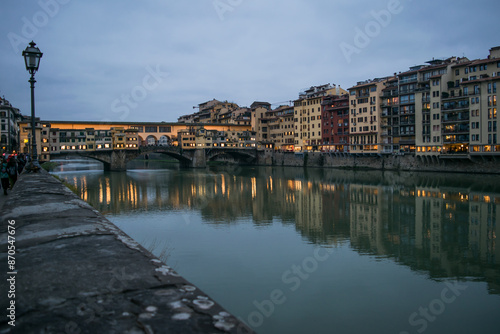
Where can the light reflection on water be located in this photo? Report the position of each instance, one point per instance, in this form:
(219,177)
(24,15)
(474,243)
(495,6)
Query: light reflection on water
(297,251)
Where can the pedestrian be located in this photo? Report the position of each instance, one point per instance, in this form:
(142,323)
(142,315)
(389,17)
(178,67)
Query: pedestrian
(4,176)
(21,162)
(12,170)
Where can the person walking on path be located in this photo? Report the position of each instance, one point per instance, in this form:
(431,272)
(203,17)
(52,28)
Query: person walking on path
(4,176)
(12,170)
(21,162)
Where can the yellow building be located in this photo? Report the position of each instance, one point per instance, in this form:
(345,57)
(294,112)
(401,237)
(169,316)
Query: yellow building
(283,132)
(307,110)
(200,137)
(25,138)
(261,119)
(365,116)
(469,107)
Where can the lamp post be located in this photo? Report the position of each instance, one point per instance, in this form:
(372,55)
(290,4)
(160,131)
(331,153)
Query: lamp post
(32,57)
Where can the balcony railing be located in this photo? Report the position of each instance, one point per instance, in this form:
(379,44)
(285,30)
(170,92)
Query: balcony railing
(459,139)
(456,130)
(389,103)
(455,119)
(450,106)
(390,94)
(407,80)
(423,89)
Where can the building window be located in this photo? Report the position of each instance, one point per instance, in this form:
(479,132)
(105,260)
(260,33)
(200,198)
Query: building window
(151,129)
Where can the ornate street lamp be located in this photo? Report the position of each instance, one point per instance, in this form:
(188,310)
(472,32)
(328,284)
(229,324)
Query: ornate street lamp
(32,57)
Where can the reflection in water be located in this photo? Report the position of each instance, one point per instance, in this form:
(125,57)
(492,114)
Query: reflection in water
(444,225)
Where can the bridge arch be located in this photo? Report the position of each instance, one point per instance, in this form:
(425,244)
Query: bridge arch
(164,141)
(245,156)
(151,140)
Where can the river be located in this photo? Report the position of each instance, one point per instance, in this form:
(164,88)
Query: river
(294,250)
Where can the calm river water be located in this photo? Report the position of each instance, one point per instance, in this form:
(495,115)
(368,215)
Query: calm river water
(294,250)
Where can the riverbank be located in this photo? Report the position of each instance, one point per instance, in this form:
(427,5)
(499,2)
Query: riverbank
(445,164)
(73,271)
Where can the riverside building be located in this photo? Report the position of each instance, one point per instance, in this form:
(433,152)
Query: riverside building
(365,101)
(283,131)
(9,129)
(335,123)
(307,110)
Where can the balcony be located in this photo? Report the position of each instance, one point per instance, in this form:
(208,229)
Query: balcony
(408,80)
(407,91)
(424,78)
(426,88)
(390,103)
(448,97)
(459,118)
(456,129)
(389,94)
(411,101)
(456,139)
(455,105)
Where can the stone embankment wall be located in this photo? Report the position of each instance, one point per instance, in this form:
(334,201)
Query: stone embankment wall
(73,271)
(385,162)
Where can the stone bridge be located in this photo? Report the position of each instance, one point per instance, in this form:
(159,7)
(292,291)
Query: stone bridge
(116,160)
(198,158)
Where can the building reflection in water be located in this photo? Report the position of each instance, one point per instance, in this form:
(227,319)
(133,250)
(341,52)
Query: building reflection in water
(444,226)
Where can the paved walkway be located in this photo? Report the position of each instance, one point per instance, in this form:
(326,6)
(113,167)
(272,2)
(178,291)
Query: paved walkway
(76,272)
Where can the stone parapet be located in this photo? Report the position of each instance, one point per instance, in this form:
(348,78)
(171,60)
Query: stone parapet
(479,165)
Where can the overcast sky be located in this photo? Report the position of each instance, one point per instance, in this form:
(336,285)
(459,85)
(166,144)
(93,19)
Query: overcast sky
(153,60)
